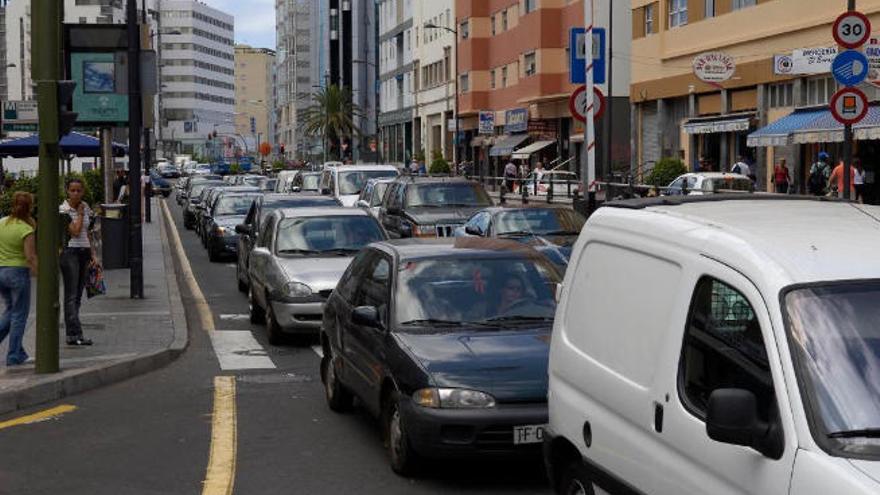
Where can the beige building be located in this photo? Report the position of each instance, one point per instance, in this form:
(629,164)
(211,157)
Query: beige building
(774,106)
(253,95)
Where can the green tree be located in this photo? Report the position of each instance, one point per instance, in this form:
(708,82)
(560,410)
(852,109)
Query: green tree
(439,165)
(332,115)
(665,171)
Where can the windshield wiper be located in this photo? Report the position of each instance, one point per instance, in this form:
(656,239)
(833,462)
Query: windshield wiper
(516,233)
(433,321)
(863,433)
(298,251)
(339,251)
(499,319)
(561,232)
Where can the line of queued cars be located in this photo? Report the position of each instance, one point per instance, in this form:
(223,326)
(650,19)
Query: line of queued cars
(696,346)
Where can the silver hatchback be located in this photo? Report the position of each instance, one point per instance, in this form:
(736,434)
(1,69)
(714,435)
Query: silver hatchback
(299,257)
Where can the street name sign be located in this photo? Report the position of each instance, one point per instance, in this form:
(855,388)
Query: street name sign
(849,106)
(850,67)
(577,48)
(577,104)
(852,30)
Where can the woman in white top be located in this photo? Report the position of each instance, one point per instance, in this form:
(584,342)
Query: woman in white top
(859,180)
(76,257)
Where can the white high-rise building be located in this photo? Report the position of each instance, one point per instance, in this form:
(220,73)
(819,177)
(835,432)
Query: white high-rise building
(94,11)
(435,78)
(397,46)
(197,77)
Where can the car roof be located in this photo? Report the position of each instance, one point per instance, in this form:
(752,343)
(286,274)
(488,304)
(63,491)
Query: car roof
(434,179)
(381,180)
(780,239)
(358,168)
(714,175)
(456,247)
(298,198)
(499,208)
(322,211)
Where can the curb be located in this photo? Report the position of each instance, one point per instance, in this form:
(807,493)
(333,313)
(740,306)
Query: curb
(53,387)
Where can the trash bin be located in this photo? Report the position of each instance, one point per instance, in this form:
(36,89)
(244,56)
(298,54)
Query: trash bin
(114,236)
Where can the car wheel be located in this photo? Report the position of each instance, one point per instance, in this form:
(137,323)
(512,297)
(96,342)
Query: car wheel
(576,480)
(273,330)
(404,461)
(256,312)
(339,399)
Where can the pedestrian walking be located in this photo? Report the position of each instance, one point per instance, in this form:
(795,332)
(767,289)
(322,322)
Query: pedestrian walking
(820,172)
(509,175)
(118,183)
(836,182)
(859,180)
(77,256)
(18,261)
(741,167)
(781,177)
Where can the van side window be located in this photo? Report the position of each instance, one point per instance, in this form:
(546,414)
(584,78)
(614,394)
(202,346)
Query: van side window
(723,348)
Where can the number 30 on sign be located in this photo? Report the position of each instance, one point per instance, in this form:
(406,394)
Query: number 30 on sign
(852,30)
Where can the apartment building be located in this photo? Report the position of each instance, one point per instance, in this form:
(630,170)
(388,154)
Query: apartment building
(397,81)
(94,11)
(253,95)
(774,106)
(513,68)
(434,78)
(196,76)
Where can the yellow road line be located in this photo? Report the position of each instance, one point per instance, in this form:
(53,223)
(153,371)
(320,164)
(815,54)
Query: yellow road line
(221,465)
(206,318)
(40,416)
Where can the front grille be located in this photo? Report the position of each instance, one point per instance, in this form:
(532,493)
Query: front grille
(446,230)
(309,318)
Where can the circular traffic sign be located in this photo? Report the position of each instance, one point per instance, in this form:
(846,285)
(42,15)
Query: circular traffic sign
(850,67)
(852,29)
(849,106)
(577,104)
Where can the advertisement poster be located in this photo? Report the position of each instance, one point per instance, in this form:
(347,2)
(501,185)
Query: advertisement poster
(95,98)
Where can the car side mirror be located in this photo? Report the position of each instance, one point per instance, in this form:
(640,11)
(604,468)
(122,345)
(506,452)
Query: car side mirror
(243,229)
(473,230)
(732,418)
(367,316)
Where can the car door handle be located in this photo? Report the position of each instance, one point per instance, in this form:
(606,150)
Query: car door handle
(658,417)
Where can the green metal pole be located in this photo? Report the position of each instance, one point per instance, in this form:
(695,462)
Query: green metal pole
(46,71)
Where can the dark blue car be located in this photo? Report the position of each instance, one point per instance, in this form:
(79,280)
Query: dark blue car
(446,342)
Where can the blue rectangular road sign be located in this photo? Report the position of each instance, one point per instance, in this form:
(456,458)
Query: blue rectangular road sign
(578,59)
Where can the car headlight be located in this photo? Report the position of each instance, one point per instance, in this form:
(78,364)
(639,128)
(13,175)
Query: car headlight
(220,230)
(296,289)
(425,230)
(453,398)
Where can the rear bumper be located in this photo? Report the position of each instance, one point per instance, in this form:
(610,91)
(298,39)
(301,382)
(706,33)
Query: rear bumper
(446,433)
(225,244)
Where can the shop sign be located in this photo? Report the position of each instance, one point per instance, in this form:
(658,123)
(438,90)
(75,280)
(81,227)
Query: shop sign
(516,120)
(96,98)
(487,123)
(805,61)
(714,67)
(543,130)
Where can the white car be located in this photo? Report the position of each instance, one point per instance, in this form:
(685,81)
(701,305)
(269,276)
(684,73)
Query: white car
(719,347)
(371,197)
(698,183)
(564,183)
(345,182)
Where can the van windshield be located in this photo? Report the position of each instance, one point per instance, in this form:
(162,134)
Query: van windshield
(836,341)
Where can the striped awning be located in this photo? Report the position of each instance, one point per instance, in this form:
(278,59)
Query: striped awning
(826,129)
(526,153)
(779,133)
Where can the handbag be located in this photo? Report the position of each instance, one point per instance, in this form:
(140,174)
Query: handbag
(95,285)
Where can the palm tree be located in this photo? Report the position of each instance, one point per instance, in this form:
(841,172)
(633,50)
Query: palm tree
(332,115)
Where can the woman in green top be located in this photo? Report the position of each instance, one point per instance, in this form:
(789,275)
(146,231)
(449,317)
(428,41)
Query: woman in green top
(18,260)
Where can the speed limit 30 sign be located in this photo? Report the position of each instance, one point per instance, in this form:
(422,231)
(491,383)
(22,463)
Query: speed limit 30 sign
(852,30)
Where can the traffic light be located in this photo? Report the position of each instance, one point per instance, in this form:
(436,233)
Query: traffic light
(66,115)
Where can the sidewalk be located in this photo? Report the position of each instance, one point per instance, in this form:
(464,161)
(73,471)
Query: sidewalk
(131,336)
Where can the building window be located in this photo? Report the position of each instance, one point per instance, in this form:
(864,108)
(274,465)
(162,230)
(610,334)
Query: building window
(530,6)
(504,21)
(741,4)
(710,8)
(530,63)
(492,24)
(492,79)
(504,77)
(464,84)
(781,95)
(820,90)
(464,29)
(649,19)
(678,13)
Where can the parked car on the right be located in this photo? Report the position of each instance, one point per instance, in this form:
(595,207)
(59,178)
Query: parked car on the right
(699,183)
(719,345)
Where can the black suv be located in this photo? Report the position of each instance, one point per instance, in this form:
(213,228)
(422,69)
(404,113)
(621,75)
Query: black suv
(427,207)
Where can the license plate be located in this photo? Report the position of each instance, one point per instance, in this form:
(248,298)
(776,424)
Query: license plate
(528,434)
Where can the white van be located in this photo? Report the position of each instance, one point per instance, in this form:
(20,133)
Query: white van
(345,182)
(705,345)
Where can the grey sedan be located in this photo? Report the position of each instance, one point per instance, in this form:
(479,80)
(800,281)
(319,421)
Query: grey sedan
(299,257)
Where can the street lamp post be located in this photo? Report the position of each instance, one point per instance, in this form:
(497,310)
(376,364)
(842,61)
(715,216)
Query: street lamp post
(455,76)
(375,106)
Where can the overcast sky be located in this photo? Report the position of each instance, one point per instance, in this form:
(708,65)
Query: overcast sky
(254,20)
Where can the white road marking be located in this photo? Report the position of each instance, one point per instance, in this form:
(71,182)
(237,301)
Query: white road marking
(318,350)
(230,265)
(239,350)
(235,317)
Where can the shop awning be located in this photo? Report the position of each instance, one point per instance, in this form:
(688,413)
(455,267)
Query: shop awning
(714,125)
(479,141)
(779,133)
(826,129)
(526,153)
(504,145)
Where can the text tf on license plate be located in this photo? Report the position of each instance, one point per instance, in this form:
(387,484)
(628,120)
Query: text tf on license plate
(528,434)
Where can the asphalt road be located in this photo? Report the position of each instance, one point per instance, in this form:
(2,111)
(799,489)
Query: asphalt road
(153,434)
